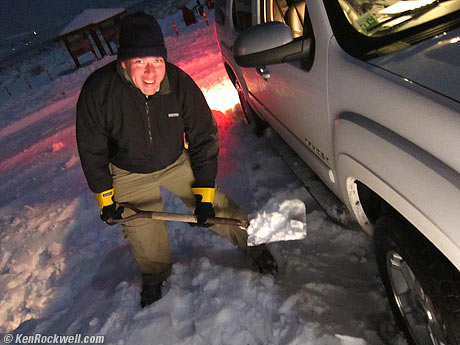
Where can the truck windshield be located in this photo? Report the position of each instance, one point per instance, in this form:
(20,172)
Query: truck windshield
(377,18)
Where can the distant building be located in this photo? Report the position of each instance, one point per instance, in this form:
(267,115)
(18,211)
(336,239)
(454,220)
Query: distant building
(94,30)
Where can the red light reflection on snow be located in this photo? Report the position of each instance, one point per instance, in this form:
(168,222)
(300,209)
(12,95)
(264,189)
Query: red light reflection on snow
(40,151)
(57,146)
(224,120)
(221,96)
(228,143)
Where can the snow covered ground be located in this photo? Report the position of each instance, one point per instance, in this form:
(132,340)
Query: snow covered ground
(65,272)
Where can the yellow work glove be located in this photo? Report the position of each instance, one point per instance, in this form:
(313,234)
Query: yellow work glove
(204,198)
(108,208)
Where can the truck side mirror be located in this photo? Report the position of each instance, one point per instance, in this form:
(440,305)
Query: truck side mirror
(268,44)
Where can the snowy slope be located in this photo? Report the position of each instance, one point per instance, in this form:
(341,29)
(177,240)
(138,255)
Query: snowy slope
(63,271)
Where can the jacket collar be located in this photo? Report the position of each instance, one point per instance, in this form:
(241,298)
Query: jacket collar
(164,85)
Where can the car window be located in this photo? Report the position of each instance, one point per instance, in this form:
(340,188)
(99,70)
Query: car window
(290,12)
(242,14)
(376,18)
(369,28)
(293,13)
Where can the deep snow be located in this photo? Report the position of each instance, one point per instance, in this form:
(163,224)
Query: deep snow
(63,271)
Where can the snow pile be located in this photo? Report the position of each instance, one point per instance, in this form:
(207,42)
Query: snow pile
(45,259)
(278,222)
(206,303)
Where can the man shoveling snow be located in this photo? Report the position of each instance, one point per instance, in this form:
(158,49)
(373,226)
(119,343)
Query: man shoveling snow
(132,115)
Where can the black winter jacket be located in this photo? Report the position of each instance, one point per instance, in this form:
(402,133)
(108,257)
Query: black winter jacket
(117,123)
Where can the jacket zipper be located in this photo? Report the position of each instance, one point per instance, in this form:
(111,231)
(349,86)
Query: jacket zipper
(148,121)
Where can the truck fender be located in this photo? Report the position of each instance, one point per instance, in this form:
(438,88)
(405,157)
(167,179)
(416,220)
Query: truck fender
(417,185)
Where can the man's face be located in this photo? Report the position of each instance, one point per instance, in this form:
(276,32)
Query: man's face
(146,73)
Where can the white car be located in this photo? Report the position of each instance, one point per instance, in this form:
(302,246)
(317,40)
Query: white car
(367,92)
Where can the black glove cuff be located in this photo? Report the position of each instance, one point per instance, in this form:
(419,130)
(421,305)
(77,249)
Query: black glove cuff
(111,212)
(203,211)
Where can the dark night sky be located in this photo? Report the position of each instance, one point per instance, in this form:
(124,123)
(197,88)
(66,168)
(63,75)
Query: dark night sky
(44,16)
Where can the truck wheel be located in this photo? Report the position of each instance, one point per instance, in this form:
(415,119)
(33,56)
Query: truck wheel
(422,286)
(253,120)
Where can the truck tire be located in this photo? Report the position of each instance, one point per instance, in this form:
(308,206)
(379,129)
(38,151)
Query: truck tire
(422,286)
(253,120)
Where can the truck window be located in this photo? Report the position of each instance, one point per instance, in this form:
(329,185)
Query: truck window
(289,12)
(376,18)
(294,14)
(370,28)
(242,14)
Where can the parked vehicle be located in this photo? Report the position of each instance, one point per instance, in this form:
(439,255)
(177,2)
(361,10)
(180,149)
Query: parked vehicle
(367,93)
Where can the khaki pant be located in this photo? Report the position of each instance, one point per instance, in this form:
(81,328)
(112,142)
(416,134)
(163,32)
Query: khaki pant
(149,238)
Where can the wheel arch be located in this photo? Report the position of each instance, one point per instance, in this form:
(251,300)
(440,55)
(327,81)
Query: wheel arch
(236,79)
(371,186)
(230,73)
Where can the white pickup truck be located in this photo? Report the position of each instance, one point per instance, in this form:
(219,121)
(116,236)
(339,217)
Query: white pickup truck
(367,92)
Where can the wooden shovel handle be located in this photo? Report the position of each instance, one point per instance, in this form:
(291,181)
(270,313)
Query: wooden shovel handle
(176,217)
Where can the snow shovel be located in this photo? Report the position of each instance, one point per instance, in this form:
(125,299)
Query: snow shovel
(258,234)
(186,218)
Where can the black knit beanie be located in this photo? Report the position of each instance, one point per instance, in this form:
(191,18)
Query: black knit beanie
(140,36)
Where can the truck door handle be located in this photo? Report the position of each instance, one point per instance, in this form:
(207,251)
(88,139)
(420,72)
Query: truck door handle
(263,71)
